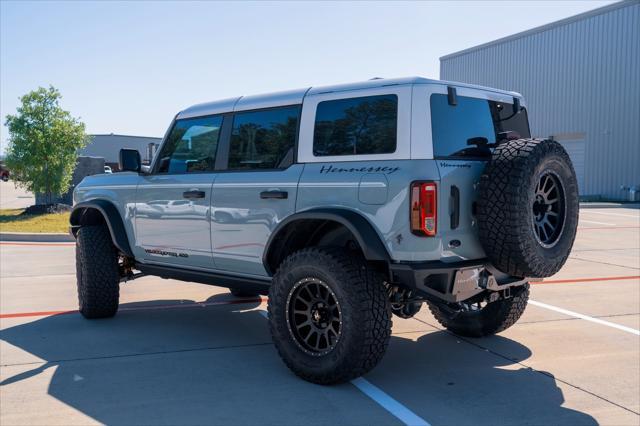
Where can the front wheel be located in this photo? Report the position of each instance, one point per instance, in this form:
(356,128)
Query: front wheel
(97,273)
(329,315)
(481,319)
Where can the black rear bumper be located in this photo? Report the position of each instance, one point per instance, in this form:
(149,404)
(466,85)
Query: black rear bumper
(438,279)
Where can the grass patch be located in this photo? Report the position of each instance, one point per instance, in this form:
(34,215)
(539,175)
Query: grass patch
(12,221)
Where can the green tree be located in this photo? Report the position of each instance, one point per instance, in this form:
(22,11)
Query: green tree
(44,141)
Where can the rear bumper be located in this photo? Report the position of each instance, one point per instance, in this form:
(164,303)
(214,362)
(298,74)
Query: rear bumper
(452,282)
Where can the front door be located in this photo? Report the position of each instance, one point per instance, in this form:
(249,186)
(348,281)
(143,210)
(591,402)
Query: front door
(173,202)
(258,189)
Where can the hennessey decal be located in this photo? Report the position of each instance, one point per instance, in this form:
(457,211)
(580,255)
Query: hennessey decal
(331,169)
(462,165)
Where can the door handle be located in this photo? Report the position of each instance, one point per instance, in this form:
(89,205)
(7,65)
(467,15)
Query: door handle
(194,193)
(274,194)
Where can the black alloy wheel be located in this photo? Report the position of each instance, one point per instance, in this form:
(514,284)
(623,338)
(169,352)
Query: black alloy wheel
(549,209)
(314,317)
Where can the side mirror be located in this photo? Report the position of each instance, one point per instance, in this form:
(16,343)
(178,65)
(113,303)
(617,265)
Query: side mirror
(130,160)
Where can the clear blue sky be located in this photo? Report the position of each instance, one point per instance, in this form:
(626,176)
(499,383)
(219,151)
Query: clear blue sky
(128,67)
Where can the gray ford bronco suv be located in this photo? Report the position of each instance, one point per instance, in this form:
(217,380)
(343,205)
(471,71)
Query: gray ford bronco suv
(345,204)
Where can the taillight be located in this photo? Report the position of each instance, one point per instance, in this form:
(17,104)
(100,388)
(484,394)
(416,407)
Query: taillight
(424,211)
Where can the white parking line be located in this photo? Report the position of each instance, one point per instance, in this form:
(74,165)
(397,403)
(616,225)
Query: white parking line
(405,415)
(401,412)
(583,211)
(585,317)
(597,223)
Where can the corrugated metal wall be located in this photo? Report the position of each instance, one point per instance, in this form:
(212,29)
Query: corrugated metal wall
(108,146)
(581,79)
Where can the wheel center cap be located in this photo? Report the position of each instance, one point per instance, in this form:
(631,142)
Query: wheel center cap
(319,315)
(539,208)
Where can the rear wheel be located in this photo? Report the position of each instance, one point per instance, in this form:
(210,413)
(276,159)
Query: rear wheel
(329,315)
(479,319)
(97,272)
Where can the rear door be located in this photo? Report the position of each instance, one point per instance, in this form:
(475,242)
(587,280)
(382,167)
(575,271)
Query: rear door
(257,190)
(172,212)
(457,129)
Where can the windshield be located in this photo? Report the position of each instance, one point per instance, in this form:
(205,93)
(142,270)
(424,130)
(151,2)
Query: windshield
(471,128)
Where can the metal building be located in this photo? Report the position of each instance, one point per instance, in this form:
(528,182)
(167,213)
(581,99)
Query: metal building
(581,79)
(108,147)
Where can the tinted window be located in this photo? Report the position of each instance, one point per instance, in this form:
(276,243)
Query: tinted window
(454,125)
(356,126)
(264,139)
(191,146)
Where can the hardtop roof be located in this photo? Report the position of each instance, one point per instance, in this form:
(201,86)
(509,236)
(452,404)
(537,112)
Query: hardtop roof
(293,97)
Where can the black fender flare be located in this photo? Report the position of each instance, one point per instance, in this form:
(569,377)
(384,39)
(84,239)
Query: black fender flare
(366,236)
(111,217)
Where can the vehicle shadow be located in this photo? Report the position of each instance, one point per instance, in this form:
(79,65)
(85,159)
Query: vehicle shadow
(450,380)
(157,364)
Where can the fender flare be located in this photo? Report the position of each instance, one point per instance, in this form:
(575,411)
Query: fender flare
(111,217)
(366,236)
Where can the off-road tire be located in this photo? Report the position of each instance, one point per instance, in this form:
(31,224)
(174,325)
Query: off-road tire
(97,273)
(365,314)
(236,292)
(506,202)
(493,318)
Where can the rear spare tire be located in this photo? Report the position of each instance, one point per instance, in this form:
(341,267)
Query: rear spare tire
(528,207)
(97,272)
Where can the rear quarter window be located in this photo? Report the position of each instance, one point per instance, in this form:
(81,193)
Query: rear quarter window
(356,126)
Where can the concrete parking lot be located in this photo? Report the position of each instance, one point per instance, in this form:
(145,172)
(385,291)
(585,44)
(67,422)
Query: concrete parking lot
(181,353)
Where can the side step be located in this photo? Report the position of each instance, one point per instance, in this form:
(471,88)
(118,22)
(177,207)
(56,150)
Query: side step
(249,284)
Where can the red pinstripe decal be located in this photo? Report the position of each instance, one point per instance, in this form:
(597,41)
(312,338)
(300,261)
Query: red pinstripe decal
(20,243)
(607,227)
(586,280)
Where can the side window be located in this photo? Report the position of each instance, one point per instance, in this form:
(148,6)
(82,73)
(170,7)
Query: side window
(356,126)
(191,146)
(453,126)
(264,139)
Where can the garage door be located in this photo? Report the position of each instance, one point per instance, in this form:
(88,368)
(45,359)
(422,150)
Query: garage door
(576,151)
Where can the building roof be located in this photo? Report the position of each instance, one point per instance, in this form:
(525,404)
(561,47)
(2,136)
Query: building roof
(124,136)
(546,27)
(293,97)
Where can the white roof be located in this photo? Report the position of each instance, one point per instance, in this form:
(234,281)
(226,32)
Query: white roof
(294,97)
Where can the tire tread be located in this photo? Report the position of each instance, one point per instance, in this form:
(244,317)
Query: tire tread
(97,273)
